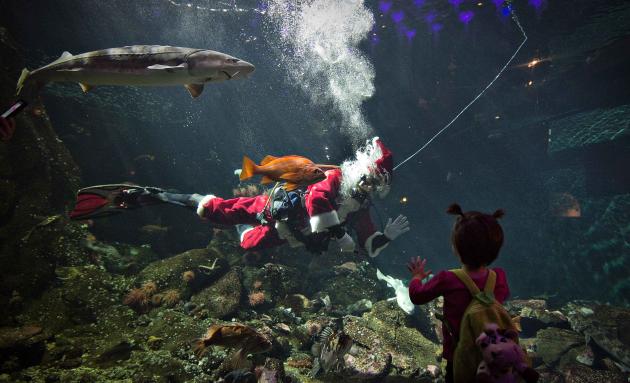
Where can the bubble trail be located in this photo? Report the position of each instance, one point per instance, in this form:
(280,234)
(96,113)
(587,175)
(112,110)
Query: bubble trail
(319,45)
(520,27)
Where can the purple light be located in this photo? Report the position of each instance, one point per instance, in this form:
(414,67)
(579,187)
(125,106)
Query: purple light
(398,16)
(536,3)
(505,11)
(430,17)
(410,34)
(384,6)
(466,16)
(456,3)
(418,3)
(436,27)
(375,39)
(498,3)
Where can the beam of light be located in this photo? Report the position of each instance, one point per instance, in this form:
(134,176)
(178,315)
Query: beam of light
(398,16)
(411,33)
(430,17)
(436,27)
(456,3)
(509,61)
(498,3)
(536,3)
(384,6)
(466,16)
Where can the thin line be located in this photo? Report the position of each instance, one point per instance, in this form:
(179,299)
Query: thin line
(478,96)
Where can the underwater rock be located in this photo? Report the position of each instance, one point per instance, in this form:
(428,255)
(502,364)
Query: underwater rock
(168,273)
(21,347)
(552,344)
(576,373)
(607,326)
(222,298)
(83,295)
(384,331)
(359,307)
(535,316)
(346,289)
(271,372)
(276,280)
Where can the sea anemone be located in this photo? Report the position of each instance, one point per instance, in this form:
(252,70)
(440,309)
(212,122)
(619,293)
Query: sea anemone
(257,285)
(137,299)
(149,288)
(157,299)
(188,276)
(313,328)
(170,297)
(256,298)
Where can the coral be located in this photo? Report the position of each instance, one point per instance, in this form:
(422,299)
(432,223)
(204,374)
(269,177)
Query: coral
(157,299)
(170,297)
(149,288)
(188,276)
(256,298)
(137,299)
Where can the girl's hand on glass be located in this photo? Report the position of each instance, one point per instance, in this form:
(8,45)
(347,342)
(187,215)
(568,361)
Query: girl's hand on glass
(416,267)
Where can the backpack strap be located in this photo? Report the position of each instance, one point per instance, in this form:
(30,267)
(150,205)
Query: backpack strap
(466,280)
(490,282)
(487,296)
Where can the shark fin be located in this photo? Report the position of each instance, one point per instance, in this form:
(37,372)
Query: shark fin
(267,160)
(85,87)
(23,77)
(63,56)
(194,89)
(168,68)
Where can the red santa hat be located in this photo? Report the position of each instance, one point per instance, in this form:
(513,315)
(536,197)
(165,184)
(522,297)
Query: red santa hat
(385,163)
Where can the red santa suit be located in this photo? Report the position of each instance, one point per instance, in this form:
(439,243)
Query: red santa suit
(324,205)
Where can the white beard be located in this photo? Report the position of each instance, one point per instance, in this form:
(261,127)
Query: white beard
(364,164)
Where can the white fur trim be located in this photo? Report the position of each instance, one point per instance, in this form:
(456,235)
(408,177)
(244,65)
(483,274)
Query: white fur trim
(245,232)
(368,245)
(321,222)
(200,209)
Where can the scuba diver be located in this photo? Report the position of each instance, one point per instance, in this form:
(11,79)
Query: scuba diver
(310,217)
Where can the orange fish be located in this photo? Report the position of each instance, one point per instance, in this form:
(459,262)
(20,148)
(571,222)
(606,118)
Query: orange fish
(246,339)
(296,171)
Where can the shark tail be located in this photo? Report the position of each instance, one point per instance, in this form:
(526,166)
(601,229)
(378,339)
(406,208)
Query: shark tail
(23,77)
(249,168)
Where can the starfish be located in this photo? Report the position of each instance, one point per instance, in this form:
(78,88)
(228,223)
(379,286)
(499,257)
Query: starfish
(210,268)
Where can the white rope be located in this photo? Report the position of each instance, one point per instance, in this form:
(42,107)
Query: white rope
(518,24)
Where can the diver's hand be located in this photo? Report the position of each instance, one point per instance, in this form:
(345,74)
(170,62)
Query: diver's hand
(416,267)
(346,243)
(394,229)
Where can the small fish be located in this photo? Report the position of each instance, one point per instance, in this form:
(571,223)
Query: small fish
(334,345)
(154,229)
(139,65)
(247,340)
(296,171)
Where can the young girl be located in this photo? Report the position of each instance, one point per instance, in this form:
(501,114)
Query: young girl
(476,240)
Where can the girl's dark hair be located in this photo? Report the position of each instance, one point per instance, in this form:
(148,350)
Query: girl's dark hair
(478,237)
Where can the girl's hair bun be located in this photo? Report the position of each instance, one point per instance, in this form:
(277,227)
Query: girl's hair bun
(498,214)
(455,209)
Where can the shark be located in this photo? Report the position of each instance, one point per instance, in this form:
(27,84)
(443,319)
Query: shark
(401,291)
(140,65)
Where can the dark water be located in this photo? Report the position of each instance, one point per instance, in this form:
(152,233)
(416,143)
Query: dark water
(525,148)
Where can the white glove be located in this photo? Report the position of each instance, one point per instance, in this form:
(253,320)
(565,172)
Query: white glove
(394,229)
(346,243)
